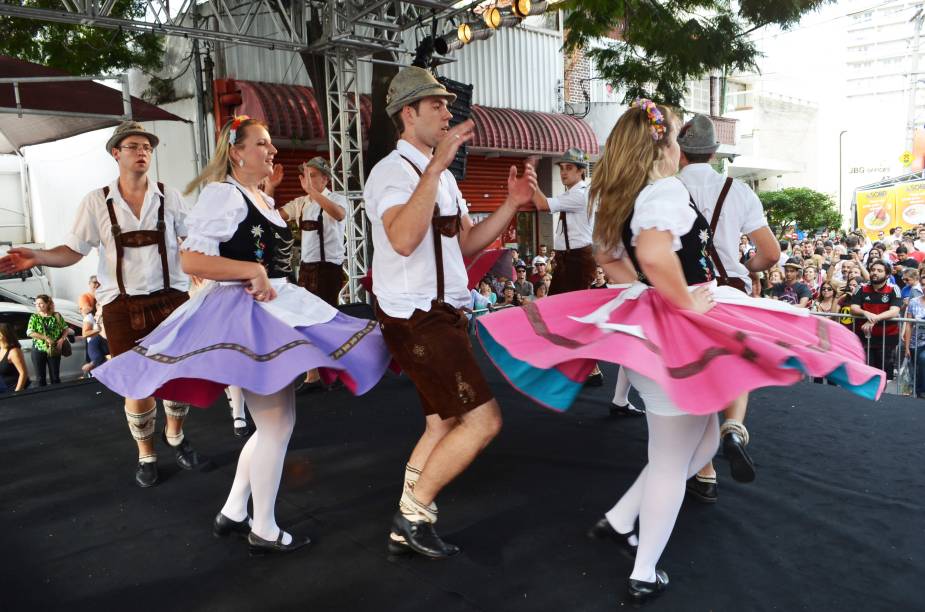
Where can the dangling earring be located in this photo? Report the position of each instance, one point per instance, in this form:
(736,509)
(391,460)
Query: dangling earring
(241,163)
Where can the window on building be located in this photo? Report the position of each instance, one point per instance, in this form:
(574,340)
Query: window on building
(698,96)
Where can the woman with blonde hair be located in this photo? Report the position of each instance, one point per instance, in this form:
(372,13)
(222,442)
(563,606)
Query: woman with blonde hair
(250,328)
(688,346)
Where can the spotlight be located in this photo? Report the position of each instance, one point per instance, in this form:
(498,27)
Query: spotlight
(525,8)
(509,21)
(448,42)
(492,17)
(464,33)
(521,8)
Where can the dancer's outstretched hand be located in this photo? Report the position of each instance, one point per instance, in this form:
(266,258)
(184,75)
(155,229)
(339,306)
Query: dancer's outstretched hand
(702,299)
(18,259)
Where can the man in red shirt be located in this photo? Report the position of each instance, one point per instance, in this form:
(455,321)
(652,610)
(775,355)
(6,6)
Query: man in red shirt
(878,302)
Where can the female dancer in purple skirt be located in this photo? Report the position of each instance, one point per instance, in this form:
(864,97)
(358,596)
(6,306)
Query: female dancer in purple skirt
(249,328)
(687,350)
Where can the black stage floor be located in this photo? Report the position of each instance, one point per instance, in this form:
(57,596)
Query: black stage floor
(835,520)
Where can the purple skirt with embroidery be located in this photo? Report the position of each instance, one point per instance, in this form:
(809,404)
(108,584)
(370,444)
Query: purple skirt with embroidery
(227,338)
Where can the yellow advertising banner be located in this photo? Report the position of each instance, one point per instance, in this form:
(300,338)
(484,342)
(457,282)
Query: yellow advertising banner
(910,203)
(876,211)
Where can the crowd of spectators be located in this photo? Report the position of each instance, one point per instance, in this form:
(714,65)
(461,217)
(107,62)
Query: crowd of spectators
(865,284)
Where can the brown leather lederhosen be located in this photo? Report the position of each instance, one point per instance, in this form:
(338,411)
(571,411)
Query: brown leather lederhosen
(574,268)
(129,318)
(433,347)
(722,277)
(323,278)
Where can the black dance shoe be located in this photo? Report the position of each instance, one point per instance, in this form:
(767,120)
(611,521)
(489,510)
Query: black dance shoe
(741,465)
(603,530)
(704,492)
(241,428)
(223,526)
(311,387)
(627,410)
(146,474)
(257,546)
(418,536)
(640,591)
(595,380)
(187,457)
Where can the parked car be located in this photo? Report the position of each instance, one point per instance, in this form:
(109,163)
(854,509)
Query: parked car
(17,317)
(28,283)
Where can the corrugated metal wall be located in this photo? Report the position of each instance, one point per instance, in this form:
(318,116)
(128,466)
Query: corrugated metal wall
(516,68)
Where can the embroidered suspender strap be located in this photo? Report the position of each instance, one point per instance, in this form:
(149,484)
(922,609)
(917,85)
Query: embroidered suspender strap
(564,223)
(162,238)
(321,233)
(438,242)
(712,252)
(138,239)
(117,238)
(719,204)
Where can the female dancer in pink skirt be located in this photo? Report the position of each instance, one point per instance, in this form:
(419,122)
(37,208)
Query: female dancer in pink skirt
(689,347)
(249,328)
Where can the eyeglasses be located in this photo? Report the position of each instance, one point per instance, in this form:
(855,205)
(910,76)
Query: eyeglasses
(827,289)
(135,148)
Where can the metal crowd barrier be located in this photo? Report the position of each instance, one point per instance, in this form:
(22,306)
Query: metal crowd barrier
(888,352)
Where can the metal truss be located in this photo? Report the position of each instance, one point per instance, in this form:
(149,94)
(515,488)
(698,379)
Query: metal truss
(345,148)
(352,30)
(234,22)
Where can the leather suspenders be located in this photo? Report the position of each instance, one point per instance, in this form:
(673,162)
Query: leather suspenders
(446,225)
(140,238)
(316,226)
(714,254)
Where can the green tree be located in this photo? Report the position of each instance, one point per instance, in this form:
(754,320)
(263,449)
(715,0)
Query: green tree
(664,44)
(799,206)
(79,49)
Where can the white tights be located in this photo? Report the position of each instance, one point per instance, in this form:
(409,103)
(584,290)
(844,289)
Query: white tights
(621,393)
(260,465)
(236,401)
(678,447)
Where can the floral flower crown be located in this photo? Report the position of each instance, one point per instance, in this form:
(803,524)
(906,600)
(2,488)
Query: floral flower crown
(235,124)
(656,118)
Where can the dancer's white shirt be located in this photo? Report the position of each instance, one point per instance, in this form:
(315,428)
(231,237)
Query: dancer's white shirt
(306,209)
(742,213)
(574,203)
(142,272)
(403,284)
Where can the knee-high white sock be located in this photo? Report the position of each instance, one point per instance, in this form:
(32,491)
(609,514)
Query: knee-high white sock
(621,393)
(236,401)
(261,464)
(673,442)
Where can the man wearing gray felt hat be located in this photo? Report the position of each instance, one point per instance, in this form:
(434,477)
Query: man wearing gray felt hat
(126,129)
(420,230)
(733,209)
(698,136)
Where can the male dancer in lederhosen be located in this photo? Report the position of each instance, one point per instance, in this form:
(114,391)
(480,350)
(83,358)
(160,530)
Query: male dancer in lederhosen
(136,225)
(421,231)
(574,255)
(321,216)
(733,209)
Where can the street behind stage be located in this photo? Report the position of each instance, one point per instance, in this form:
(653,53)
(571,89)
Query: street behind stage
(834,521)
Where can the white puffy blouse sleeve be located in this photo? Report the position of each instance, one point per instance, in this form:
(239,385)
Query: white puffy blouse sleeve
(665,206)
(214,218)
